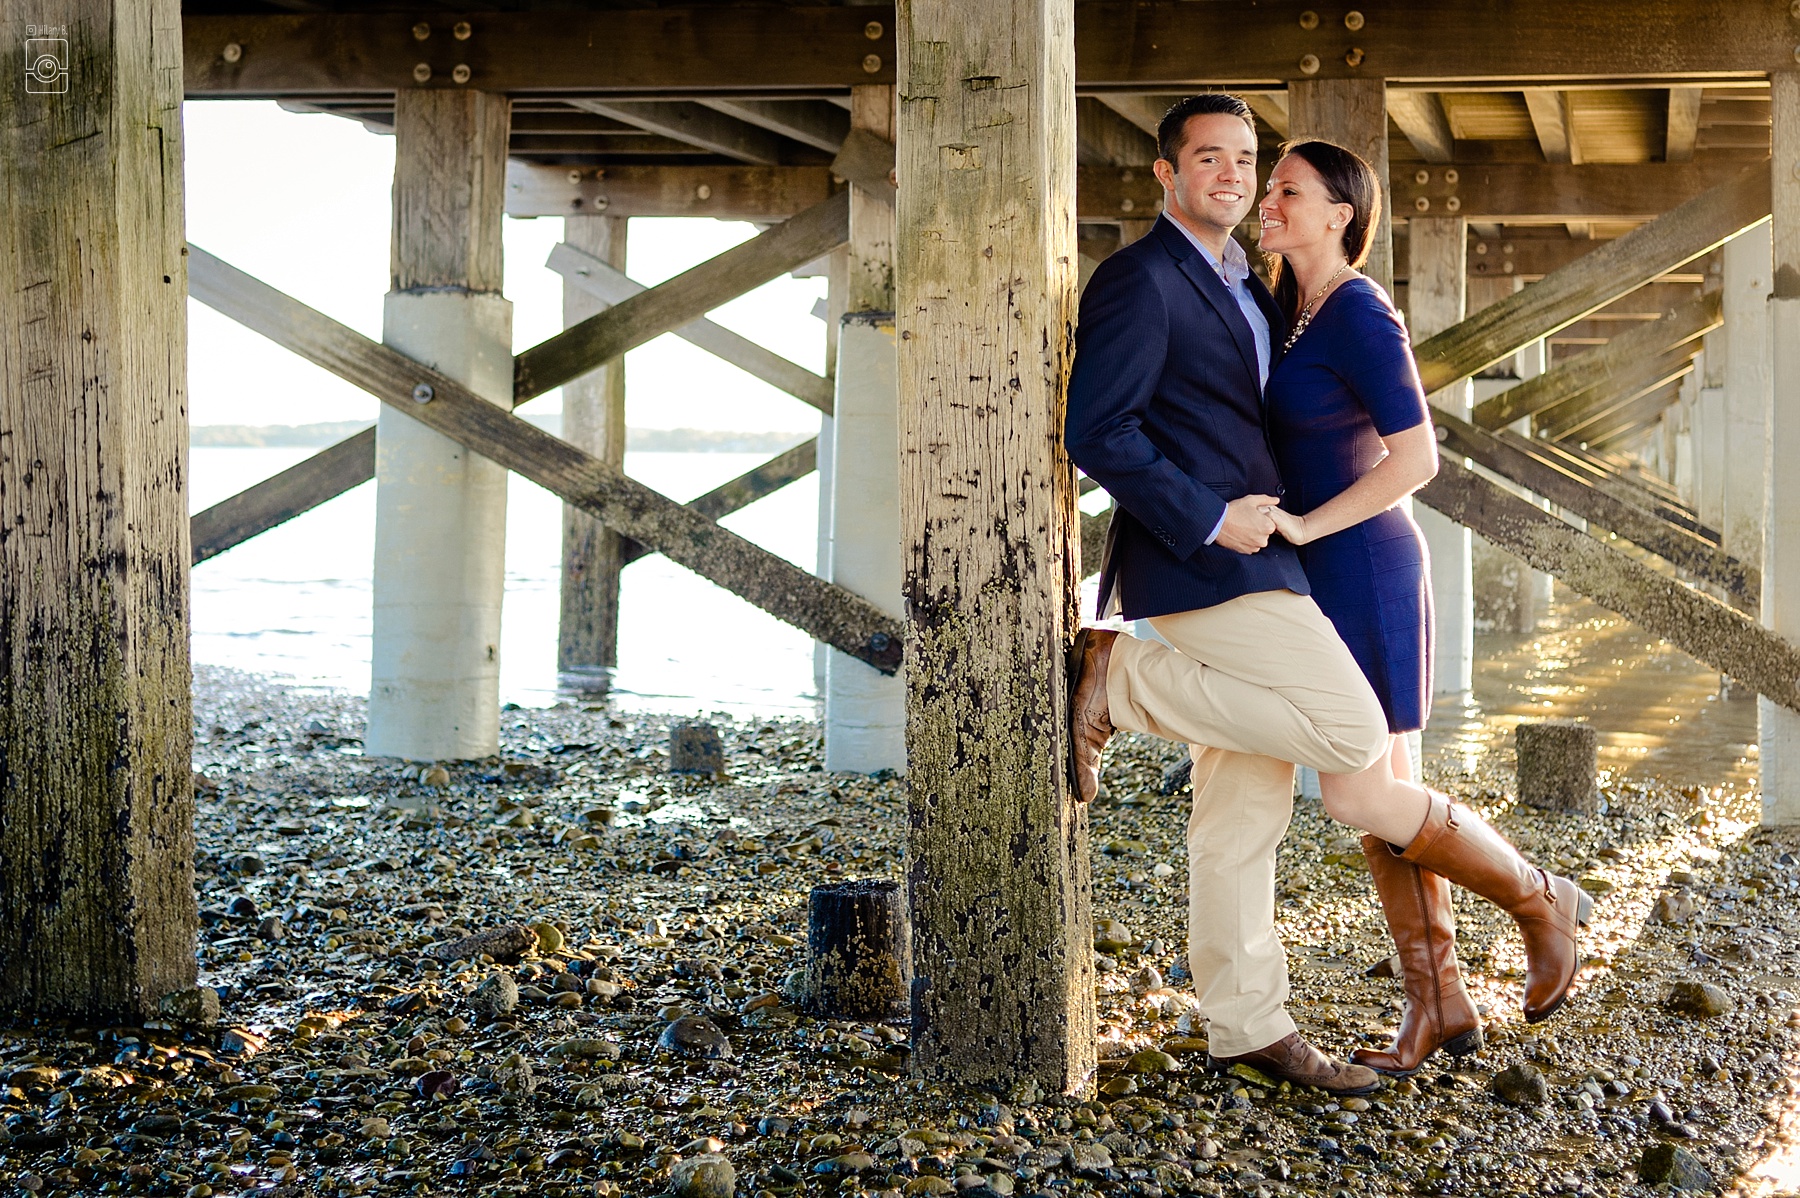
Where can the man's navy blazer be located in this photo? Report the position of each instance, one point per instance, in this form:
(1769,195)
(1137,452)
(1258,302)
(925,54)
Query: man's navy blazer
(1166,412)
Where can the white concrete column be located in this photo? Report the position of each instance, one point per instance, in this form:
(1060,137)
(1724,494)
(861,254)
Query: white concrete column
(1709,456)
(865,710)
(1685,476)
(1437,293)
(440,511)
(1781,528)
(1745,303)
(837,282)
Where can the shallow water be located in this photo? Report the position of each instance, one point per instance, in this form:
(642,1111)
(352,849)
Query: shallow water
(1657,710)
(294,603)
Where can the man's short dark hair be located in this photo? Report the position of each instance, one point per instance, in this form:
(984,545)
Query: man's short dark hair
(1171,131)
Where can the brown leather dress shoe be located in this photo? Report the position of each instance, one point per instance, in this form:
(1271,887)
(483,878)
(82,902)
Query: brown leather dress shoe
(1293,1059)
(1090,725)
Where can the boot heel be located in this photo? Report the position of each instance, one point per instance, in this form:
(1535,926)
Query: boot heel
(1468,1043)
(1584,908)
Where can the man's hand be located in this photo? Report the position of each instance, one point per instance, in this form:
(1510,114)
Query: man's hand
(1248,524)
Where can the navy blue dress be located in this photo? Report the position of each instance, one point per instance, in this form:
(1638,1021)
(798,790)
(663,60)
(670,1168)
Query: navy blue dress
(1349,381)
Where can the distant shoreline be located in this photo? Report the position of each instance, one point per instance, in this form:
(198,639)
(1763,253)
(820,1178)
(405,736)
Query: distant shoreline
(644,440)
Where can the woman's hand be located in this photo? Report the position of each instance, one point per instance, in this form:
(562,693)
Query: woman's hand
(1291,527)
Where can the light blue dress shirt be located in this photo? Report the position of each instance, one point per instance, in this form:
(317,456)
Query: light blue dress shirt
(1235,273)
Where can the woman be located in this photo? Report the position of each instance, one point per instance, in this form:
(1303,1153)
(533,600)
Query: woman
(1353,437)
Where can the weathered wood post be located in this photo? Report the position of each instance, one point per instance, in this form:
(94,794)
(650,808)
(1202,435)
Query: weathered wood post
(1745,304)
(865,710)
(587,636)
(1352,113)
(1003,984)
(1781,527)
(440,511)
(1558,765)
(1437,291)
(97,916)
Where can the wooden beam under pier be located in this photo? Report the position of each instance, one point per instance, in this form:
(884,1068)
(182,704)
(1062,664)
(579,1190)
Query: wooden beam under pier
(826,612)
(682,299)
(773,50)
(1602,366)
(1699,625)
(1571,420)
(1594,280)
(786,467)
(613,286)
(1516,458)
(279,498)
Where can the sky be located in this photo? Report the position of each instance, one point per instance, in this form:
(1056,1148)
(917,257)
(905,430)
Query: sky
(302,201)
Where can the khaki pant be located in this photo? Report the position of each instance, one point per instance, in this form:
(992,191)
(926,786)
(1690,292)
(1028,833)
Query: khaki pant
(1253,685)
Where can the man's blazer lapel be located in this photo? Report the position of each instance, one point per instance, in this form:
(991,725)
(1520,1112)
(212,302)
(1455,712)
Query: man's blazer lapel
(1210,285)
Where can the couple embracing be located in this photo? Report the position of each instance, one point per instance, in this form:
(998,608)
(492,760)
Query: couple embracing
(1257,447)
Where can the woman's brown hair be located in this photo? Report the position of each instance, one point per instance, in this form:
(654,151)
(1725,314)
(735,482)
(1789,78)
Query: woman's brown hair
(1348,180)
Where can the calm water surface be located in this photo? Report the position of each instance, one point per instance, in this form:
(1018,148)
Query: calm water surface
(295,602)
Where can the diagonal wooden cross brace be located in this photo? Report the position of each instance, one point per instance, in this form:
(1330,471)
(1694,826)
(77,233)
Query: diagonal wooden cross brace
(1698,624)
(829,613)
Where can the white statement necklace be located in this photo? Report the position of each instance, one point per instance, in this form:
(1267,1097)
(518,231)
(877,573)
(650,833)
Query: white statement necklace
(1306,313)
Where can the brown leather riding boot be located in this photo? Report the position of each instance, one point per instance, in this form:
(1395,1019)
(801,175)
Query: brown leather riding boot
(1465,848)
(1090,724)
(1439,1012)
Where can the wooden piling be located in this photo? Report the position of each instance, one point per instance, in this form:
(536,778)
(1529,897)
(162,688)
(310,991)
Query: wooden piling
(857,951)
(1557,765)
(998,875)
(587,636)
(97,916)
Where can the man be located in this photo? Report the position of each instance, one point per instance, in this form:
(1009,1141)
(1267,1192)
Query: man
(1166,412)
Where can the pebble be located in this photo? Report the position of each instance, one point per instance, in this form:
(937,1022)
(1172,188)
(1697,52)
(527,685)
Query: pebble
(1674,907)
(1112,936)
(708,1175)
(583,1048)
(1522,1084)
(497,995)
(1702,1000)
(1151,1060)
(695,1036)
(549,937)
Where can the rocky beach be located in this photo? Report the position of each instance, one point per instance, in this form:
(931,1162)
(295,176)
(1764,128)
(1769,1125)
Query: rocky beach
(567,971)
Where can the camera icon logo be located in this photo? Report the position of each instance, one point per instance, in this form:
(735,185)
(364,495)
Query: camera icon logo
(46,66)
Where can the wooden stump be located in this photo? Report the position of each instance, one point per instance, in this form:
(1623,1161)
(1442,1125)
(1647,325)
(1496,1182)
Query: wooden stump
(696,749)
(1557,765)
(858,956)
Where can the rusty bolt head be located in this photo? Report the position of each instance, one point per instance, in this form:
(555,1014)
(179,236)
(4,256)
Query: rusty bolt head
(1309,64)
(1127,204)
(871,63)
(460,72)
(232,52)
(703,192)
(421,31)
(1453,204)
(422,73)
(461,31)
(1421,177)
(873,31)
(1353,20)
(1422,204)
(1481,247)
(1506,268)
(1354,56)
(1309,19)
(422,393)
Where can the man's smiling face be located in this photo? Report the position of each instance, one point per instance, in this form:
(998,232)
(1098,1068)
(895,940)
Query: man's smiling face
(1214,182)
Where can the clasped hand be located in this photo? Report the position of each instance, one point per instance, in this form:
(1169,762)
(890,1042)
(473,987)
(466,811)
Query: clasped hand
(1252,520)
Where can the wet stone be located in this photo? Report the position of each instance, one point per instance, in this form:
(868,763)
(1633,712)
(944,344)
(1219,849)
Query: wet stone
(695,1036)
(497,995)
(1701,1000)
(708,1175)
(504,944)
(1522,1084)
(1673,1166)
(196,1006)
